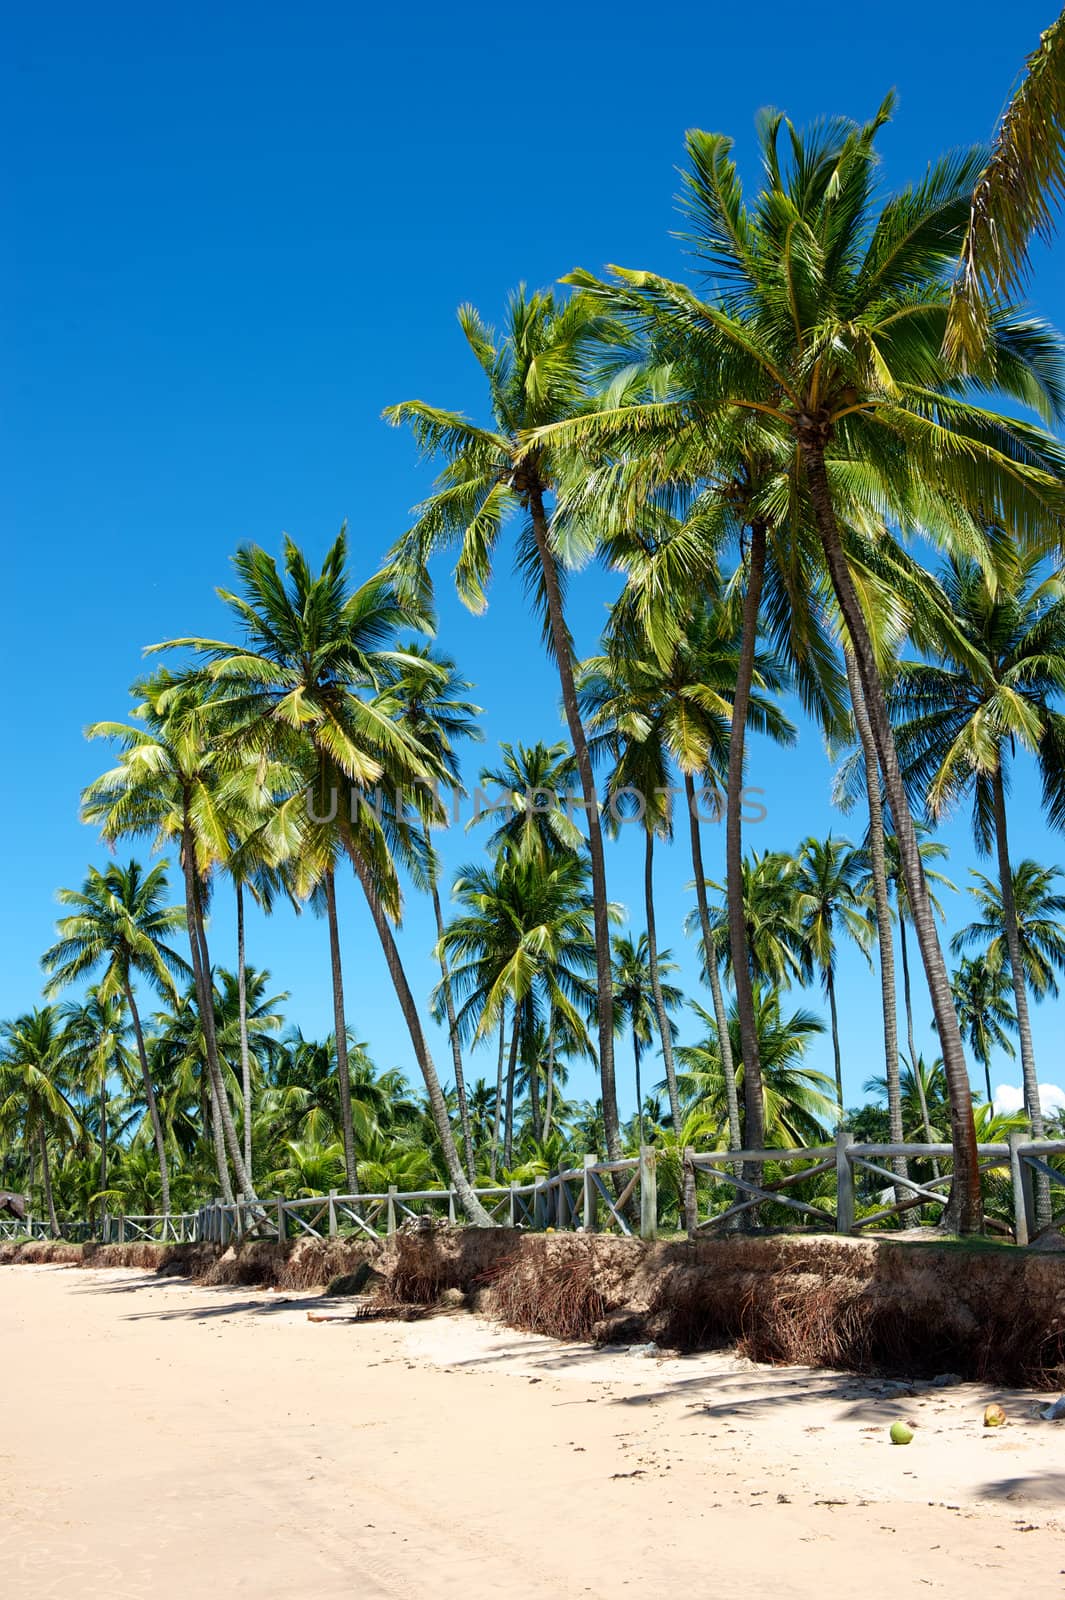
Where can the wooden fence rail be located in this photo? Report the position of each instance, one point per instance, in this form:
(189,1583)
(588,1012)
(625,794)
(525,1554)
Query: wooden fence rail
(621,1195)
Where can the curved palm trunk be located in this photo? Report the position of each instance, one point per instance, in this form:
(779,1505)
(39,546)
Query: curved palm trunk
(340,1031)
(665,1033)
(46,1178)
(1029,1077)
(882,902)
(512,1073)
(242,1010)
(149,1095)
(728,1064)
(459,1181)
(562,650)
(452,1030)
(753,1103)
(964,1210)
(201,972)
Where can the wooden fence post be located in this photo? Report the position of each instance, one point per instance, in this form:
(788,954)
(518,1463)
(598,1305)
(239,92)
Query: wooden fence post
(648,1192)
(1023,1188)
(332,1213)
(844,1182)
(121,1230)
(390,1224)
(282,1231)
(451,1206)
(590,1208)
(512,1213)
(539,1203)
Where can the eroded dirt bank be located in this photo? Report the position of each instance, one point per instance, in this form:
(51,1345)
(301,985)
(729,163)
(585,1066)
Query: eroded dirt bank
(988,1314)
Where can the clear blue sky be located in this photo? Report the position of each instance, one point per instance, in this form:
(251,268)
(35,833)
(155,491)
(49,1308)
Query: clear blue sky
(235,233)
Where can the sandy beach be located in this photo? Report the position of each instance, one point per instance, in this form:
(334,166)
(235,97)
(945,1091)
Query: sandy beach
(160,1439)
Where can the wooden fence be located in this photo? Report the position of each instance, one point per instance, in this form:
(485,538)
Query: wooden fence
(619,1195)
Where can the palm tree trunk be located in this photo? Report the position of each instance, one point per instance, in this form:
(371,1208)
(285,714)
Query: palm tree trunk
(1029,1077)
(724,1037)
(201,972)
(562,649)
(340,1031)
(964,1210)
(46,1176)
(885,937)
(665,1032)
(534,1094)
(512,1073)
(915,1068)
(459,1181)
(830,989)
(452,1027)
(753,1104)
(636,1073)
(218,1142)
(103,1148)
(149,1095)
(242,1009)
(499,1092)
(549,1099)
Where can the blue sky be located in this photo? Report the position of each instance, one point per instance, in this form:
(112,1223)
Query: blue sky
(237,233)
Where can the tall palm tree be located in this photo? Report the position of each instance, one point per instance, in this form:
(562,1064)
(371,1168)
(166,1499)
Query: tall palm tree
(826,326)
(427,694)
(1038,913)
(960,719)
(537,374)
(304,684)
(33,1063)
(171,783)
(1014,196)
(830,901)
(119,921)
(981,996)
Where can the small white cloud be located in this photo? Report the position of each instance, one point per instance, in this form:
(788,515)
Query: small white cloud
(1009,1099)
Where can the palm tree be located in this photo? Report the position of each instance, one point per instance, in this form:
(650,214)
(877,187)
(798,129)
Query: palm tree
(980,994)
(649,711)
(96,1030)
(826,327)
(33,1065)
(961,718)
(523,940)
(798,1106)
(119,921)
(304,683)
(1014,195)
(427,693)
(536,375)
(829,901)
(642,1000)
(171,783)
(534,782)
(1037,911)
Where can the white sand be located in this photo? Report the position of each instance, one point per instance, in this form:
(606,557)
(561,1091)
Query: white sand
(168,1441)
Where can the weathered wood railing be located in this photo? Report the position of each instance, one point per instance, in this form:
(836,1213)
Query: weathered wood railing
(621,1195)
